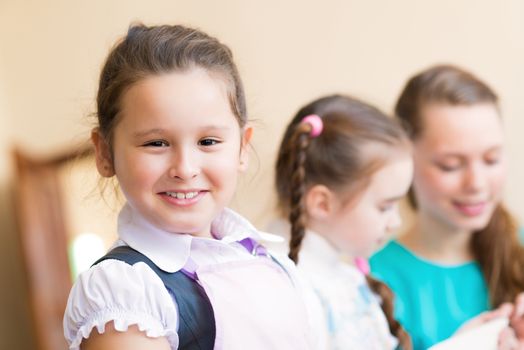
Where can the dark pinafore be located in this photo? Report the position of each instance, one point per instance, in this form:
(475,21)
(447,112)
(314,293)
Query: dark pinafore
(197,322)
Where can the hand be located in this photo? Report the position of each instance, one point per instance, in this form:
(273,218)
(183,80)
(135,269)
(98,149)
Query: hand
(508,340)
(516,320)
(512,338)
(504,310)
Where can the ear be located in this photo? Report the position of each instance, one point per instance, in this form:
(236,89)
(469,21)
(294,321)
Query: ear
(104,161)
(319,202)
(244,154)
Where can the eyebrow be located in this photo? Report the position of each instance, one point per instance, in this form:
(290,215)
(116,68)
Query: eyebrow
(394,199)
(459,155)
(149,132)
(159,131)
(215,127)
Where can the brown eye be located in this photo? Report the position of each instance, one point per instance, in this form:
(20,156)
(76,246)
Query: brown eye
(448,167)
(208,142)
(156,143)
(492,158)
(388,206)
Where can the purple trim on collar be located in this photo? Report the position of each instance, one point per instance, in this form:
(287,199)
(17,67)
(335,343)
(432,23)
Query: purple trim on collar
(252,246)
(190,269)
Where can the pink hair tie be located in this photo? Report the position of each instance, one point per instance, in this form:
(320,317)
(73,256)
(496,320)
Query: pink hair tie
(316,124)
(362,265)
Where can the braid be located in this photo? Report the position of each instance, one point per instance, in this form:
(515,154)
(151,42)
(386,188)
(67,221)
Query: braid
(300,142)
(395,328)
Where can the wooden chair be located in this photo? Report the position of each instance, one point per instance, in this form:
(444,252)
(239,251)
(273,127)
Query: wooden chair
(43,238)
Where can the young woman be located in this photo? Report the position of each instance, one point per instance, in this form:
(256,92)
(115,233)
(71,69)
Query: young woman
(462,256)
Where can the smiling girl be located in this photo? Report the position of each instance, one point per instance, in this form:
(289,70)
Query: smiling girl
(186,272)
(462,256)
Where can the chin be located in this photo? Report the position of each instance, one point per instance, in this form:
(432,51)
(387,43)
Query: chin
(181,227)
(471,223)
(190,230)
(474,224)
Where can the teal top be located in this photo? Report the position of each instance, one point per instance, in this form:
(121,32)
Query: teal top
(431,300)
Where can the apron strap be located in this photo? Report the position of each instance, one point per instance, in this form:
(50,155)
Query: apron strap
(196,330)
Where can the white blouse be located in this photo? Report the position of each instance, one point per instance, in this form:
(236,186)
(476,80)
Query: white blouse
(351,311)
(133,294)
(350,316)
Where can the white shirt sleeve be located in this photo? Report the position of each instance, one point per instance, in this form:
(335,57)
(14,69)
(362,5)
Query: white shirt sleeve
(125,294)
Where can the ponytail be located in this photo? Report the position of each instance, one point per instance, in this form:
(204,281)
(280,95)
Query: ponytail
(500,256)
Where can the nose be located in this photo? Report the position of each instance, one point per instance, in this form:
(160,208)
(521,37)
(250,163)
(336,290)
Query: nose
(474,178)
(184,164)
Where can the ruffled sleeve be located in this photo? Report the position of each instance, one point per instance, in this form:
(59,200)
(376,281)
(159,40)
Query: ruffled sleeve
(123,293)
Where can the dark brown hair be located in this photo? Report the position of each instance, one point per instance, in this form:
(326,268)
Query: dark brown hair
(496,247)
(338,159)
(151,51)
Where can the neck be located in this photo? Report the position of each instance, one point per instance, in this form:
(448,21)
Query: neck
(320,230)
(437,241)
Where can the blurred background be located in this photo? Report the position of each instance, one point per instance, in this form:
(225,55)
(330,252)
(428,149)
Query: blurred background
(288,52)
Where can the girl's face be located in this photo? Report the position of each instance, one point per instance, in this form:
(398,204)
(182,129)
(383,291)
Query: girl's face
(460,165)
(359,227)
(177,150)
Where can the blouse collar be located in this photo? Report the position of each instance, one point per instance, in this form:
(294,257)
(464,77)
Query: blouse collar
(170,251)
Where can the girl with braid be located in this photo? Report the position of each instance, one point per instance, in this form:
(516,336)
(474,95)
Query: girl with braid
(341,170)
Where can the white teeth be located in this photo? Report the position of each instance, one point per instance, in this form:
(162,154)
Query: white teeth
(182,195)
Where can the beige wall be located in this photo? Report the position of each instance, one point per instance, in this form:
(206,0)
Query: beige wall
(288,51)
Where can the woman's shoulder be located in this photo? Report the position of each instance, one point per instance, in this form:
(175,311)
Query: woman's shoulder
(399,267)
(391,253)
(126,294)
(395,263)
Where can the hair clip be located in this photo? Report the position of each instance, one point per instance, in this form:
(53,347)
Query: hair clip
(316,124)
(362,265)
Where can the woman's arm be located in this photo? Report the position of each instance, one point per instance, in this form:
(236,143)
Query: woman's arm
(132,339)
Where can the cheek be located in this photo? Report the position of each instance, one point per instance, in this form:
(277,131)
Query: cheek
(364,225)
(138,170)
(223,169)
(497,179)
(227,161)
(432,183)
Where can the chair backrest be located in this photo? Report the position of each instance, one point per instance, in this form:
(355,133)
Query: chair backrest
(43,239)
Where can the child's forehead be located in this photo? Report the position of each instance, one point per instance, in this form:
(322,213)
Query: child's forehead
(191,84)
(191,97)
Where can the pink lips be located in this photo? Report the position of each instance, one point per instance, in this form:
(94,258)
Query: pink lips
(470,209)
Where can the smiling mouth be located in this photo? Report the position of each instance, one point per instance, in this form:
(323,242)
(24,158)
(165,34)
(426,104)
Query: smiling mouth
(471,209)
(182,195)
